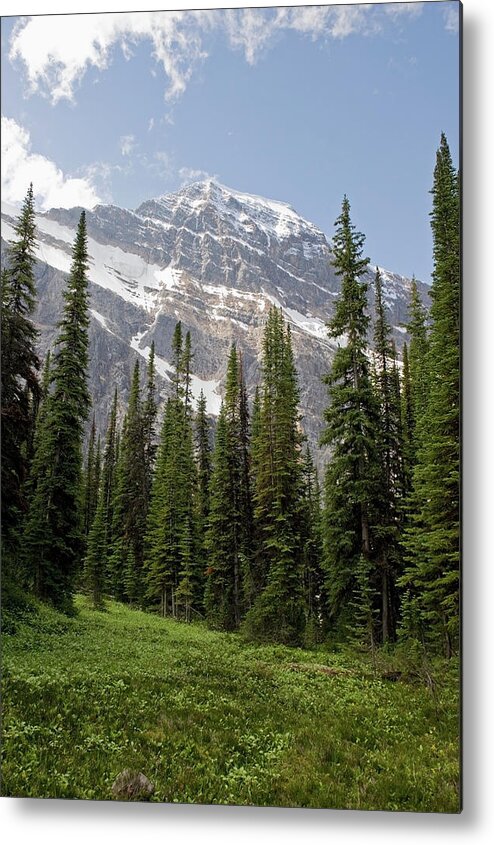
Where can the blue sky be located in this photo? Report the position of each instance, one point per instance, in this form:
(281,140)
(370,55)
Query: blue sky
(300,104)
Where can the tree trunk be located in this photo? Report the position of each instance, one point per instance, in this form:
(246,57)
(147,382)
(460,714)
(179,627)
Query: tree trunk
(385,604)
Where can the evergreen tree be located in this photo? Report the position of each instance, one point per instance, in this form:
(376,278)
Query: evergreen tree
(418,361)
(230,578)
(407,424)
(162,536)
(173,568)
(149,422)
(90,485)
(432,541)
(246,510)
(278,610)
(312,552)
(108,482)
(203,461)
(351,480)
(54,539)
(190,588)
(129,516)
(116,549)
(19,379)
(96,558)
(388,516)
(186,369)
(221,600)
(177,361)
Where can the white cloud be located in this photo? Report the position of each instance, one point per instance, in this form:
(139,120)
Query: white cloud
(151,124)
(58,50)
(52,188)
(397,10)
(452,19)
(127,144)
(190,174)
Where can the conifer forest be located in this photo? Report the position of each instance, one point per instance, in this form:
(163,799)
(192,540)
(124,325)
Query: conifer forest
(174,585)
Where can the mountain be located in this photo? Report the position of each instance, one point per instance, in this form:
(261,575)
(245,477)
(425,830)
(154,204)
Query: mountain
(214,258)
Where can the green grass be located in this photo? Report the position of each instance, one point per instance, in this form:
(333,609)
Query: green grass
(210,719)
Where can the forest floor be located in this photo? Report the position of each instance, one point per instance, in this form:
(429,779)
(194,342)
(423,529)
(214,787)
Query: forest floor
(211,719)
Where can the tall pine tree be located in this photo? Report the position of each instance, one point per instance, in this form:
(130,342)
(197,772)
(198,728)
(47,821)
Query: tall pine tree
(54,539)
(230,555)
(278,610)
(129,516)
(19,380)
(351,480)
(432,542)
(389,504)
(173,567)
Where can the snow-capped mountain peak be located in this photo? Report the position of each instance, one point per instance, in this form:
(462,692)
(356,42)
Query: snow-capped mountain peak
(214,258)
(240,210)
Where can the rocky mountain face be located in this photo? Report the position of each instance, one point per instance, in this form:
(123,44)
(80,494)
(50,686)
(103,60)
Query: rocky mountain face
(215,259)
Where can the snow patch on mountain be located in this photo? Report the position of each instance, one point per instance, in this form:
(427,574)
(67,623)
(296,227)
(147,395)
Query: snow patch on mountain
(124,273)
(311,325)
(101,320)
(165,369)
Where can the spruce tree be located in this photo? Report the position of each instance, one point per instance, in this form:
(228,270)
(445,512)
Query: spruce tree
(221,598)
(351,479)
(162,536)
(108,478)
(95,563)
(173,568)
(97,574)
(177,361)
(203,461)
(54,539)
(149,413)
(432,541)
(90,485)
(312,552)
(129,516)
(186,368)
(389,504)
(189,594)
(407,424)
(230,488)
(278,610)
(246,509)
(19,380)
(418,361)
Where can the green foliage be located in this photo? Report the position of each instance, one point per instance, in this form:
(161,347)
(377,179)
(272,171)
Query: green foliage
(108,482)
(174,575)
(219,721)
(149,413)
(90,481)
(388,507)
(278,609)
(53,539)
(203,462)
(229,540)
(19,381)
(407,424)
(351,484)
(418,357)
(130,504)
(432,540)
(95,563)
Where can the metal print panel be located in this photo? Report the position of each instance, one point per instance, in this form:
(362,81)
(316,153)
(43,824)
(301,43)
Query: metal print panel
(230,406)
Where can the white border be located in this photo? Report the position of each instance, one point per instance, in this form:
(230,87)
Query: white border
(56,822)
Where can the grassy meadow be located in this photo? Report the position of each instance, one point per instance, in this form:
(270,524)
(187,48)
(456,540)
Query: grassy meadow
(211,719)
